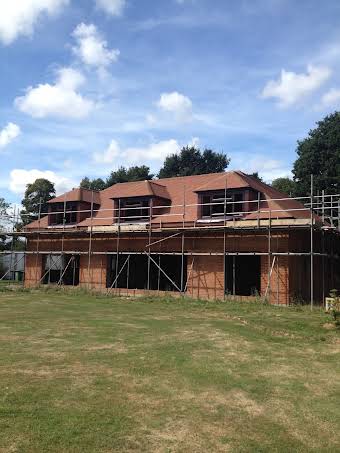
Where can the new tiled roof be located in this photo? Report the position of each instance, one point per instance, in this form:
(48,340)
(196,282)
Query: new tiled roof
(228,180)
(78,194)
(185,190)
(139,189)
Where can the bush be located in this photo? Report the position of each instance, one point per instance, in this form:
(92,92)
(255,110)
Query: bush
(335,307)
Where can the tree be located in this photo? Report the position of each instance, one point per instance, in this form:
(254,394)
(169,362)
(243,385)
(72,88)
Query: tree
(8,242)
(92,184)
(285,185)
(3,206)
(319,155)
(35,199)
(3,221)
(136,173)
(192,161)
(256,176)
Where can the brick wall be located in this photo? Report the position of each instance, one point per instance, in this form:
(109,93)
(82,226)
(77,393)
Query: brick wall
(95,276)
(206,277)
(290,277)
(277,275)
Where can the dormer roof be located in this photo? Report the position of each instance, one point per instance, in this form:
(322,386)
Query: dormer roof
(139,189)
(78,194)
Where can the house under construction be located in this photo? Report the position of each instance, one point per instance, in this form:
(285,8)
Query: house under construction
(207,236)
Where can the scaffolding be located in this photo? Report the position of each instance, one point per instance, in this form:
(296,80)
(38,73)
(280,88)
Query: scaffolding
(317,213)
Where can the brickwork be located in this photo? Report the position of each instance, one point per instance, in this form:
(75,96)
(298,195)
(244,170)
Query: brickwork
(278,288)
(95,276)
(290,275)
(206,277)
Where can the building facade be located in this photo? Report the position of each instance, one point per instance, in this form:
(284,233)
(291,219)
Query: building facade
(210,236)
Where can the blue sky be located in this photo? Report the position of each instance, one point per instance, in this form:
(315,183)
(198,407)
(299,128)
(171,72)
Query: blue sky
(89,85)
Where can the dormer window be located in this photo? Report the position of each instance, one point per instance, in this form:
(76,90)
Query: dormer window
(220,203)
(138,201)
(56,217)
(72,207)
(134,209)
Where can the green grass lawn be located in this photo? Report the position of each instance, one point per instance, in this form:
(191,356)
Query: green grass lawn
(85,373)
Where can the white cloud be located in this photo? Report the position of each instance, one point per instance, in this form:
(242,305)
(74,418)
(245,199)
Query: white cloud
(92,48)
(18,17)
(292,87)
(267,168)
(194,142)
(8,134)
(111,7)
(134,155)
(19,178)
(331,98)
(59,100)
(176,103)
(112,152)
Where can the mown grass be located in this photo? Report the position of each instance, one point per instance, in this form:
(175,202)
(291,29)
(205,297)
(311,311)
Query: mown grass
(85,373)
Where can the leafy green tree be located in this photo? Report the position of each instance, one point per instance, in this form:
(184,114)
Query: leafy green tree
(319,155)
(285,185)
(136,173)
(92,184)
(40,191)
(192,161)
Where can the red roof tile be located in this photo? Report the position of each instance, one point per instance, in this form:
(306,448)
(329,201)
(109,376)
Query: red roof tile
(78,194)
(185,191)
(138,189)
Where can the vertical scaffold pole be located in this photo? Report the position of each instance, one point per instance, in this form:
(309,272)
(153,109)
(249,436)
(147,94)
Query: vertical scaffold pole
(117,248)
(224,240)
(25,249)
(12,246)
(62,242)
(323,246)
(323,206)
(182,257)
(234,275)
(128,276)
(311,245)
(90,244)
(159,273)
(150,235)
(38,241)
(269,251)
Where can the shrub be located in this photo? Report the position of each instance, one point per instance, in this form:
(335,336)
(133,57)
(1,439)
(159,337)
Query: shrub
(335,307)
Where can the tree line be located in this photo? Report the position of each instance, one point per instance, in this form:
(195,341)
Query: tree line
(317,154)
(190,161)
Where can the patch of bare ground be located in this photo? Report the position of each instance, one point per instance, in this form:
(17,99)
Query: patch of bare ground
(181,431)
(212,400)
(281,371)
(12,448)
(79,374)
(119,348)
(187,436)
(10,338)
(131,325)
(313,431)
(239,320)
(329,326)
(54,355)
